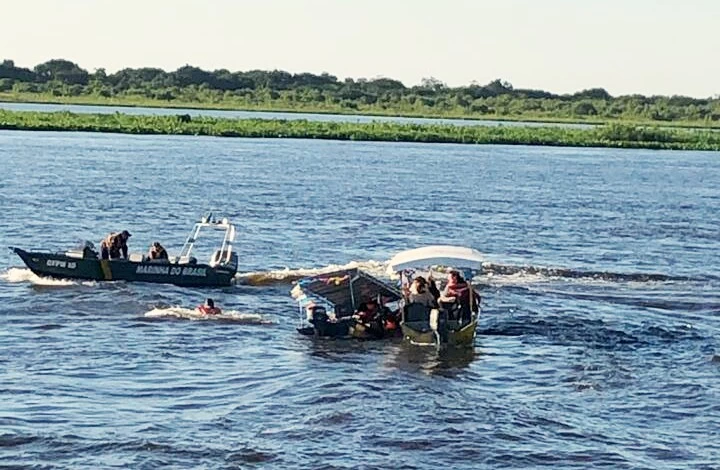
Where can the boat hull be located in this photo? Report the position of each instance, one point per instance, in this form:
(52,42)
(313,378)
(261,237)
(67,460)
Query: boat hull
(59,265)
(448,337)
(345,329)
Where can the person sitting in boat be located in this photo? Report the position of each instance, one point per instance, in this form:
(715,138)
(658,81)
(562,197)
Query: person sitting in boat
(157,251)
(419,293)
(456,287)
(115,246)
(209,308)
(456,296)
(432,287)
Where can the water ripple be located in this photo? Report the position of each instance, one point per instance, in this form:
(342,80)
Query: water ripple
(597,345)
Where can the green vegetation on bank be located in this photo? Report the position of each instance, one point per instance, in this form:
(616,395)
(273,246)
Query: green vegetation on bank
(62,81)
(611,135)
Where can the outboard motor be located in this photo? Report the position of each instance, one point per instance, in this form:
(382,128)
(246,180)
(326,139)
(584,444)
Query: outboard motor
(83,250)
(88,250)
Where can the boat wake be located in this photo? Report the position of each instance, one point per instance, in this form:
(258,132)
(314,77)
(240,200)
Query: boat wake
(192,314)
(17,275)
(547,273)
(493,273)
(288,276)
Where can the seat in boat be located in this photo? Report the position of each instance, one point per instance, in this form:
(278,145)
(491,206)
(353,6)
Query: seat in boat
(417,316)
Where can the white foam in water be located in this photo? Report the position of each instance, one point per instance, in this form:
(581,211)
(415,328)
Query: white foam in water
(372,267)
(381,270)
(194,314)
(16,275)
(516,279)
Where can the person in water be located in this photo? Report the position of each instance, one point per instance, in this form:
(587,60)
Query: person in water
(370,318)
(367,312)
(157,251)
(209,308)
(114,246)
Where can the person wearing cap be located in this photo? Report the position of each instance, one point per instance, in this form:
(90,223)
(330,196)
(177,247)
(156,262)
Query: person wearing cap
(122,243)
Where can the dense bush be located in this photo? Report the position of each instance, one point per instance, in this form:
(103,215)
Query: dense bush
(62,80)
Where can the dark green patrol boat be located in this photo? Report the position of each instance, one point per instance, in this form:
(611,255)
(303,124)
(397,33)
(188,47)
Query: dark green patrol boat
(84,262)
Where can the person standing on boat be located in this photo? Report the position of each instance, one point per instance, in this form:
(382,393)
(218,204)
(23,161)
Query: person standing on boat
(106,245)
(122,248)
(115,245)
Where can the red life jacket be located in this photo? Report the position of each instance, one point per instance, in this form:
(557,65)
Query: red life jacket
(458,290)
(204,309)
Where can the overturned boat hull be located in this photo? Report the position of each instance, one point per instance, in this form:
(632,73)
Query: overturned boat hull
(60,265)
(343,330)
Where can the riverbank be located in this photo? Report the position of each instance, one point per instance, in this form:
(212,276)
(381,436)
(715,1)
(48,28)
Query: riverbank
(611,135)
(129,101)
(136,101)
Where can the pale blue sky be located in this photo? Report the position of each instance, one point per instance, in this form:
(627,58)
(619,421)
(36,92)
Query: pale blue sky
(630,46)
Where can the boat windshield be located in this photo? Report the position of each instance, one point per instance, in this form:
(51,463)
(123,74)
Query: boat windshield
(216,245)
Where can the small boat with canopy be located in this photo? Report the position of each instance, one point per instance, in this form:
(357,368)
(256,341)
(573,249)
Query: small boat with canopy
(451,321)
(328,304)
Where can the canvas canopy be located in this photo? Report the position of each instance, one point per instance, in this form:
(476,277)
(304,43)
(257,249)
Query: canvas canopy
(347,288)
(437,255)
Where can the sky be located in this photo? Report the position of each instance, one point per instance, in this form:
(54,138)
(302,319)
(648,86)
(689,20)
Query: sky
(664,47)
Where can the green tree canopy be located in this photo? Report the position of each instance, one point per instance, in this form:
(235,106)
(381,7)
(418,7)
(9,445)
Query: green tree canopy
(63,71)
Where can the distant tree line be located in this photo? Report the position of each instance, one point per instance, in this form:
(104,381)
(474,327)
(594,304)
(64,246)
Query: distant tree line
(306,91)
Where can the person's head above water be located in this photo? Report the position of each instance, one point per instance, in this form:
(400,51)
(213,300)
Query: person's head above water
(210,303)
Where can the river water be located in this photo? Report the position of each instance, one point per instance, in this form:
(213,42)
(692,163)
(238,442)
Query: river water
(598,344)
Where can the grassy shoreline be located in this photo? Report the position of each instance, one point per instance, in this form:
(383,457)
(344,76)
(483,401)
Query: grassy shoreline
(613,135)
(143,102)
